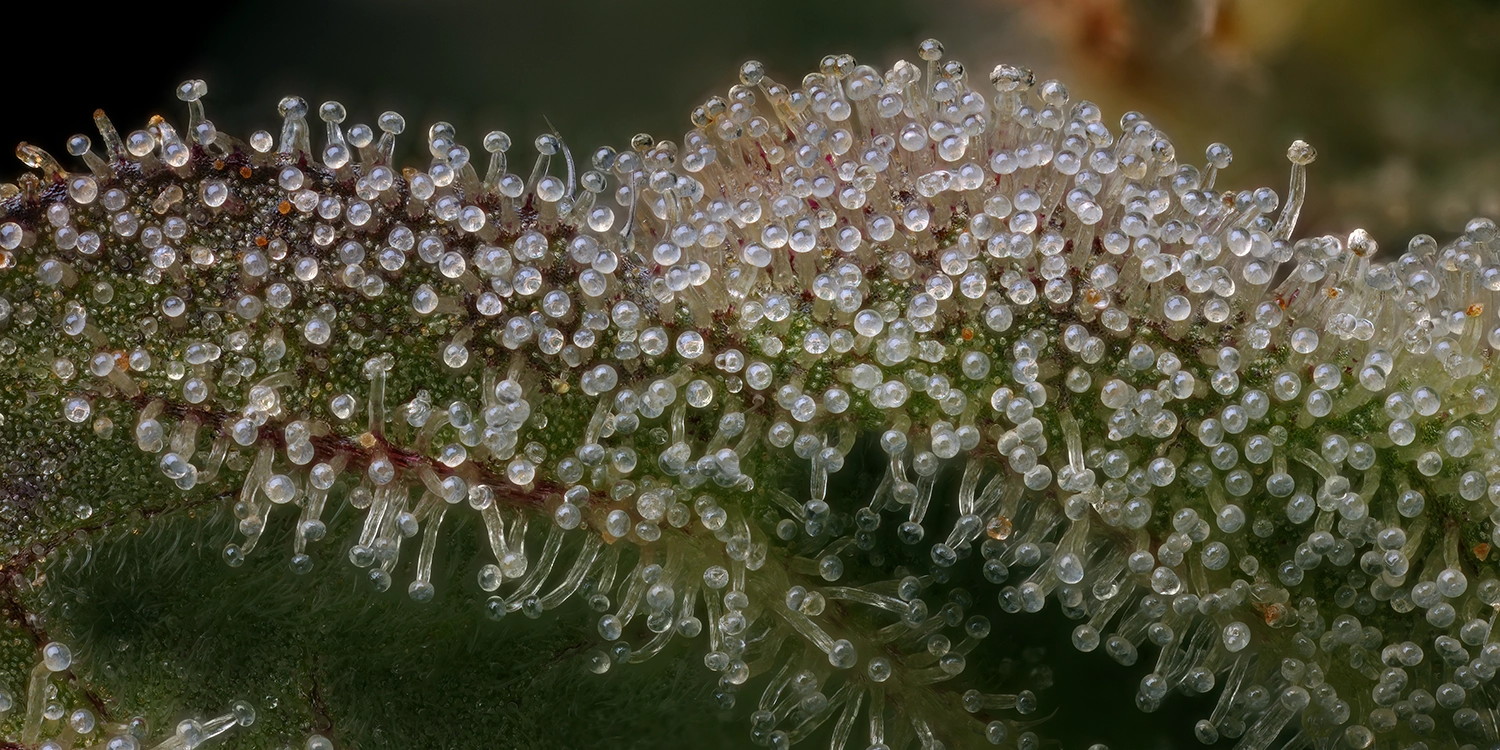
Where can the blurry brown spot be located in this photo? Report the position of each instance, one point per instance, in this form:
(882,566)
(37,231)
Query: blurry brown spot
(1098,31)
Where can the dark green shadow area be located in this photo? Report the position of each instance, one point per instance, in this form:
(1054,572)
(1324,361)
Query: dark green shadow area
(157,620)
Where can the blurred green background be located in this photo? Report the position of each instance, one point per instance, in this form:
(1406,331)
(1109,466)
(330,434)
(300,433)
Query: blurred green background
(1401,100)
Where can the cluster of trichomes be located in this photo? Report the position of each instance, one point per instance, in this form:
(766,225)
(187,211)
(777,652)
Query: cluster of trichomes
(1089,373)
(44,708)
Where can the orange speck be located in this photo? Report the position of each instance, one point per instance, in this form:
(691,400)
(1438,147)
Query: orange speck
(245,172)
(1474,310)
(261,241)
(1482,551)
(122,361)
(1274,613)
(1333,292)
(367,440)
(968,334)
(999,527)
(285,207)
(219,164)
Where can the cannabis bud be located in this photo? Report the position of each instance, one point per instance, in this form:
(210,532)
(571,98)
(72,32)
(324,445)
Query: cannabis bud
(1085,374)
